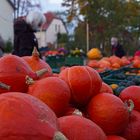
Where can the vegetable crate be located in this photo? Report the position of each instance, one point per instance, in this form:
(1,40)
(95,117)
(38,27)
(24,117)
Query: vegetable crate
(55,62)
(74,60)
(123,77)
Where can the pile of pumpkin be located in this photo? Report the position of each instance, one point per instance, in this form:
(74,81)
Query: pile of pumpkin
(74,105)
(95,60)
(136,61)
(109,63)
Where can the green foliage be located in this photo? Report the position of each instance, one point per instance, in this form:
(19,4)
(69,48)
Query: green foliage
(106,18)
(80,36)
(8,46)
(62,38)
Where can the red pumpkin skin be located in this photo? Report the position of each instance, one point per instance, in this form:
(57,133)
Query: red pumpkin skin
(84,83)
(113,137)
(55,75)
(80,128)
(109,112)
(54,92)
(106,88)
(37,64)
(23,117)
(13,71)
(132,131)
(133,93)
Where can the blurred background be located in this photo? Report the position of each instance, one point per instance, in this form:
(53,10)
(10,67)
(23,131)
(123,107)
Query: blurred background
(77,23)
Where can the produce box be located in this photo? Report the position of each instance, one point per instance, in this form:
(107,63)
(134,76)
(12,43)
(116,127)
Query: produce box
(105,73)
(74,60)
(55,62)
(122,77)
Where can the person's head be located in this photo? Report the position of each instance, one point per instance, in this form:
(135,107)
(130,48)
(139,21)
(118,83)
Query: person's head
(35,19)
(114,41)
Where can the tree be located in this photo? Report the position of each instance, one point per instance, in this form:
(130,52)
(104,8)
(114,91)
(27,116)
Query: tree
(107,18)
(22,7)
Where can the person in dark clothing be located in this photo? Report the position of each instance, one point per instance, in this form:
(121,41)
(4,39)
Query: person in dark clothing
(2,44)
(24,37)
(117,48)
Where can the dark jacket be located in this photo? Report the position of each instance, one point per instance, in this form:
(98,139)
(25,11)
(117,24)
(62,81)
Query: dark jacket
(24,39)
(1,46)
(118,51)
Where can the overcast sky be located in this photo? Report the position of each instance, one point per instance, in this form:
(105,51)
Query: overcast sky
(52,5)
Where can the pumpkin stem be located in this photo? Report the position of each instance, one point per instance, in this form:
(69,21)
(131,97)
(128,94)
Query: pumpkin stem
(29,80)
(41,72)
(35,53)
(130,105)
(77,112)
(4,86)
(59,136)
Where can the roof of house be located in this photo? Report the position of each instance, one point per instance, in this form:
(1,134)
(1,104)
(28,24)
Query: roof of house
(49,18)
(12,4)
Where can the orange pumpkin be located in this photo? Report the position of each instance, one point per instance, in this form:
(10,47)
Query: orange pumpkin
(37,64)
(23,117)
(132,131)
(114,59)
(93,64)
(109,112)
(83,81)
(52,91)
(113,137)
(125,61)
(136,58)
(106,88)
(133,93)
(80,128)
(115,65)
(104,64)
(136,63)
(55,75)
(13,71)
(105,58)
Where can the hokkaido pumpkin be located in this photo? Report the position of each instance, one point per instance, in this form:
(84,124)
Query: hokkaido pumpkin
(135,57)
(80,128)
(13,71)
(136,63)
(54,92)
(109,112)
(105,58)
(93,64)
(23,117)
(113,137)
(125,61)
(105,88)
(83,81)
(114,86)
(36,63)
(104,64)
(132,131)
(94,53)
(133,93)
(115,65)
(55,75)
(114,59)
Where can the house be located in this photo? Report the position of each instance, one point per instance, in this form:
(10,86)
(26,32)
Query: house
(50,29)
(6,19)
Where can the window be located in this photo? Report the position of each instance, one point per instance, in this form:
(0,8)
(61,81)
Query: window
(55,27)
(59,28)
